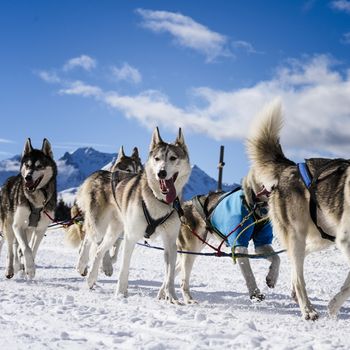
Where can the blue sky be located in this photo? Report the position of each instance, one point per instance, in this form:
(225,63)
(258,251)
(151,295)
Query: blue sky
(105,73)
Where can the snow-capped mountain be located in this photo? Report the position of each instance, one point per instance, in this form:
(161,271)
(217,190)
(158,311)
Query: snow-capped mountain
(9,167)
(75,167)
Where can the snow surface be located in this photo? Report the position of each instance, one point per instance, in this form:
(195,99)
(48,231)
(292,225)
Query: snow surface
(57,311)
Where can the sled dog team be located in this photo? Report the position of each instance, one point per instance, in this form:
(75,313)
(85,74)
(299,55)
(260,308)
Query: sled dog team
(306,205)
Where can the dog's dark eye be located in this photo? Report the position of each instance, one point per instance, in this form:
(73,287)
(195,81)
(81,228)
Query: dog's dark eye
(157,159)
(39,166)
(173,158)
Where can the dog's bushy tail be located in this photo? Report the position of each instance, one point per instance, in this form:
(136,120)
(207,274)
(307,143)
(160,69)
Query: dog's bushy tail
(73,235)
(263,145)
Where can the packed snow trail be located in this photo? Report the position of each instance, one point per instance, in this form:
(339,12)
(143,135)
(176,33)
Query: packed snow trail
(57,311)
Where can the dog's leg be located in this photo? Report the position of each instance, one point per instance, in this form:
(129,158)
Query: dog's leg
(84,256)
(9,272)
(21,236)
(338,300)
(102,249)
(37,237)
(167,290)
(185,264)
(18,259)
(343,243)
(272,276)
(2,239)
(247,272)
(107,266)
(115,249)
(296,253)
(128,248)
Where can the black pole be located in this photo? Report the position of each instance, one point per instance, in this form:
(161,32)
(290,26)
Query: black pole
(221,168)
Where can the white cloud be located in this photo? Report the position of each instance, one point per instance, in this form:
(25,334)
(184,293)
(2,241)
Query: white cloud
(82,89)
(85,62)
(49,77)
(341,5)
(5,141)
(187,32)
(244,45)
(315,95)
(127,73)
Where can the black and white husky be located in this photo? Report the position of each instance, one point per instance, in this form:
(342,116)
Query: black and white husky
(307,213)
(142,207)
(24,200)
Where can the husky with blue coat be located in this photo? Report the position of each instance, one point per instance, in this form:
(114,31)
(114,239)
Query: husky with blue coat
(217,215)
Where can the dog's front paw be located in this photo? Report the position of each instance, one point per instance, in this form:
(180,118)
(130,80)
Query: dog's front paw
(9,274)
(108,270)
(91,280)
(29,270)
(257,296)
(188,299)
(30,273)
(271,280)
(168,296)
(310,314)
(82,269)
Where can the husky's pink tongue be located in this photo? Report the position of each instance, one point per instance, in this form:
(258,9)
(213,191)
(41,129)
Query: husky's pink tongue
(167,186)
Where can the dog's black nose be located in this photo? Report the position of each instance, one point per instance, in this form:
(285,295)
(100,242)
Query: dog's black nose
(28,178)
(162,174)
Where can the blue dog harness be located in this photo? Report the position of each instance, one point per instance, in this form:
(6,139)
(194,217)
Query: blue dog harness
(230,212)
(305,174)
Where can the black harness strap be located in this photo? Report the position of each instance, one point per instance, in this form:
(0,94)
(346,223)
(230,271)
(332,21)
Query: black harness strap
(152,224)
(35,213)
(312,187)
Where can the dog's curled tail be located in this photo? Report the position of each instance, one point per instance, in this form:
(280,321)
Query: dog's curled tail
(263,145)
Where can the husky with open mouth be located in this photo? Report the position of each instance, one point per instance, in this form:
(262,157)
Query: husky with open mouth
(27,202)
(144,206)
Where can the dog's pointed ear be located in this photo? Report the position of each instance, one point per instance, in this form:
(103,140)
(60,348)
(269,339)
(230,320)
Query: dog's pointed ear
(135,153)
(46,148)
(27,147)
(180,140)
(155,139)
(121,154)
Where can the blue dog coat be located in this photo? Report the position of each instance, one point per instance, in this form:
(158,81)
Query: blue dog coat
(229,213)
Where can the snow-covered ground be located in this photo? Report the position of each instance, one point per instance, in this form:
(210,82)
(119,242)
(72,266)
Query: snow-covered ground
(57,311)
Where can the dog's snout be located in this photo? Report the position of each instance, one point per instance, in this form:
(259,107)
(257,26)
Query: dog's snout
(29,178)
(162,174)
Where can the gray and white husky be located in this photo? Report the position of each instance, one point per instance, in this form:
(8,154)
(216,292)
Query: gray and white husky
(24,200)
(122,167)
(143,207)
(293,219)
(196,219)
